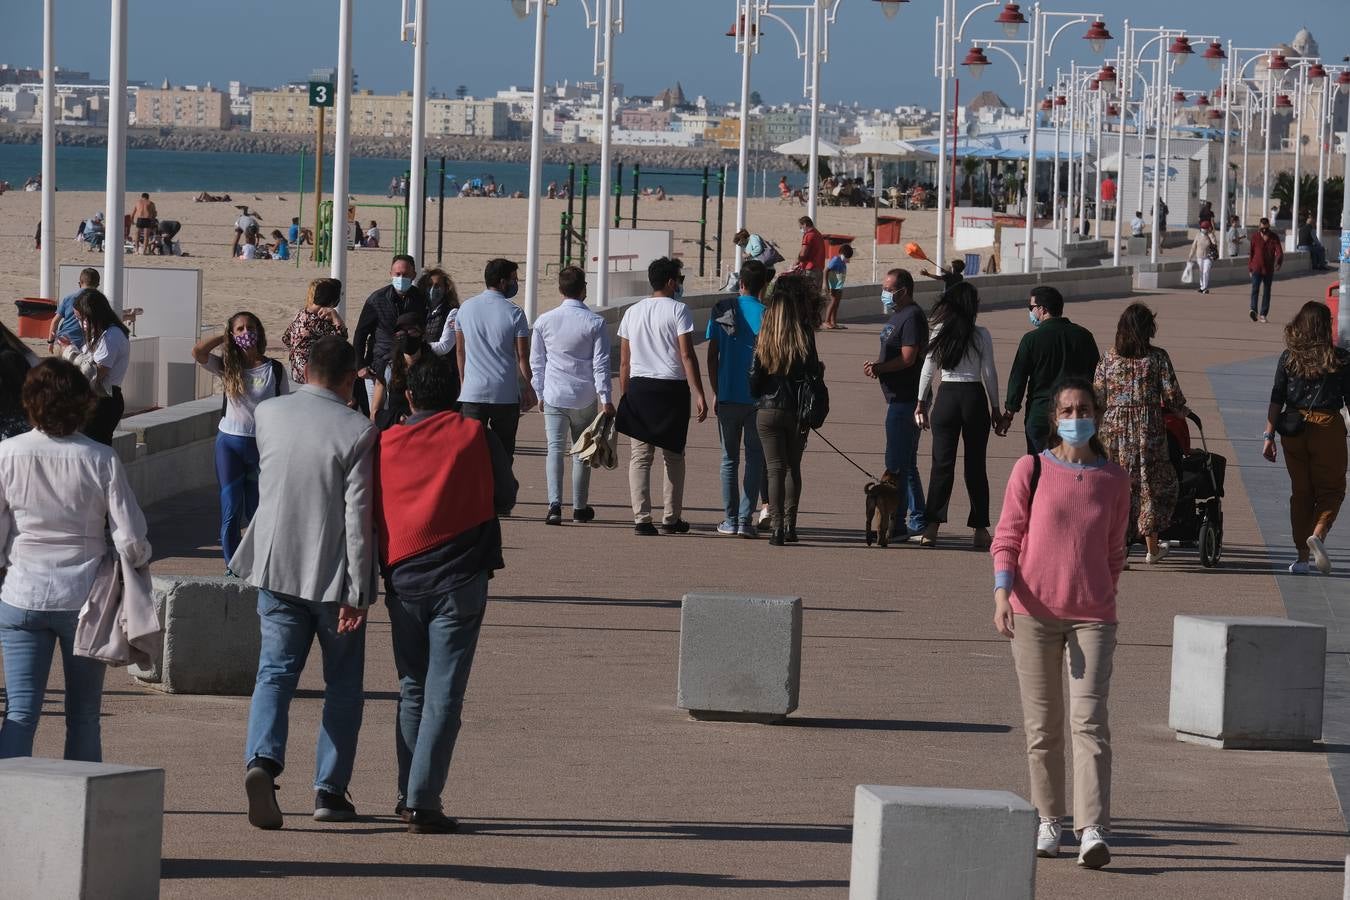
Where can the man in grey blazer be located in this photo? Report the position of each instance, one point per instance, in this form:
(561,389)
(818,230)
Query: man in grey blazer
(310,552)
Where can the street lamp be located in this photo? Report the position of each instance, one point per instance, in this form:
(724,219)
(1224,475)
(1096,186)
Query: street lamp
(1012,20)
(416,186)
(889,8)
(606,17)
(1214,56)
(976,62)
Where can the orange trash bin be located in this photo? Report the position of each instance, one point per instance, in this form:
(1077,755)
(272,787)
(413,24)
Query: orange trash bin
(888,229)
(1334,304)
(833,242)
(35,317)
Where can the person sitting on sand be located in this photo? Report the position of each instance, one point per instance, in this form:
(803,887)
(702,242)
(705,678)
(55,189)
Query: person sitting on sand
(281,248)
(372,235)
(248,249)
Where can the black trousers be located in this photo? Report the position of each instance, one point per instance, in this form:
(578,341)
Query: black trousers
(784,442)
(961,413)
(107,414)
(502,418)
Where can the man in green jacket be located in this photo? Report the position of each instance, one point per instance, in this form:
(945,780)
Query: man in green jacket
(1053,350)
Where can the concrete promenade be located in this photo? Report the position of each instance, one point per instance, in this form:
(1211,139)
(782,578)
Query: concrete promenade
(576,776)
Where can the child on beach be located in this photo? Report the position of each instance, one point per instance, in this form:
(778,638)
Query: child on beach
(836,271)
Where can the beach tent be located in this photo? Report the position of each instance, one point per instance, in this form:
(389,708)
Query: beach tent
(802,147)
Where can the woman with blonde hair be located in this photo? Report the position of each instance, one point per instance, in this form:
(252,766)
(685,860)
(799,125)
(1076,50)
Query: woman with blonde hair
(248,377)
(1312,381)
(785,355)
(317,319)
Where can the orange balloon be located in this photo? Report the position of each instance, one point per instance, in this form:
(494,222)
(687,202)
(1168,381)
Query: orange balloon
(915,251)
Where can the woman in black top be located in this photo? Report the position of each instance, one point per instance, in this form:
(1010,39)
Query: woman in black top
(785,352)
(1310,389)
(15,361)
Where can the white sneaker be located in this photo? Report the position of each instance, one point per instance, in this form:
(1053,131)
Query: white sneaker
(764,516)
(1299,567)
(1154,558)
(1320,560)
(1047,838)
(1092,850)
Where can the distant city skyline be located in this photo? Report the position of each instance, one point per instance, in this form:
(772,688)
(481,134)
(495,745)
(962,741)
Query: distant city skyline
(876,62)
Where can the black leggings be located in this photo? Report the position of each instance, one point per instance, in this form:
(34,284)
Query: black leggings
(961,412)
(107,414)
(780,434)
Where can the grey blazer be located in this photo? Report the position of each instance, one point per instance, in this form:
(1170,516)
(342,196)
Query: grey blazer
(312,536)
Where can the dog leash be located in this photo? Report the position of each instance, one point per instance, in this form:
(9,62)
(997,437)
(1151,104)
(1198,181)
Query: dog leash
(844,455)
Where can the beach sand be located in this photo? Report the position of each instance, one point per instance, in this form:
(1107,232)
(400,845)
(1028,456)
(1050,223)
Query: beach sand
(476,229)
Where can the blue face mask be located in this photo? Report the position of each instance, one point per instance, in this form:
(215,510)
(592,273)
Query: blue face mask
(1035,322)
(401,283)
(888,299)
(1076,432)
(511,290)
(679,292)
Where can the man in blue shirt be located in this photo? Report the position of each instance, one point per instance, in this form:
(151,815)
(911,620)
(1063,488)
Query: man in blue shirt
(732,330)
(492,346)
(64,323)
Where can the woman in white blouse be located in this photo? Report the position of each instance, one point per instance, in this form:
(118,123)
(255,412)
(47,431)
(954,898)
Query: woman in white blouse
(248,376)
(60,495)
(107,342)
(965,410)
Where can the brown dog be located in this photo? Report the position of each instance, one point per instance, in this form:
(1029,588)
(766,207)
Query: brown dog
(883,498)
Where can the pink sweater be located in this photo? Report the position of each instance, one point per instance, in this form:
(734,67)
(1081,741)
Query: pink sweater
(1067,559)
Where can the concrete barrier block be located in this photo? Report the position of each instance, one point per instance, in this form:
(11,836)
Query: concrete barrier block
(915,842)
(175,426)
(211,637)
(740,656)
(1247,682)
(80,830)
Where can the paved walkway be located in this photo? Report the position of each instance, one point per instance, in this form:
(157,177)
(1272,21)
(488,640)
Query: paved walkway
(575,774)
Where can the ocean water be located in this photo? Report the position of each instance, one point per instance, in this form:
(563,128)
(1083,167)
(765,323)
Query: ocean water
(84,169)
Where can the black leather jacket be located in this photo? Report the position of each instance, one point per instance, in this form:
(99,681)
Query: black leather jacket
(779,391)
(1328,393)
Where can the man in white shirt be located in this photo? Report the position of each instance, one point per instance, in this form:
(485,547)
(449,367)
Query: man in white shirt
(1137,225)
(658,373)
(492,346)
(243,225)
(569,358)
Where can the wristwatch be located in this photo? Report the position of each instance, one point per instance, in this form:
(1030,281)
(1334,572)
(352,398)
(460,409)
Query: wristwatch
(1268,435)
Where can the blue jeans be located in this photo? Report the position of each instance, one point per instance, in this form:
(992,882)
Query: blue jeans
(434,642)
(736,422)
(289,626)
(29,638)
(902,459)
(1261,288)
(563,427)
(237,473)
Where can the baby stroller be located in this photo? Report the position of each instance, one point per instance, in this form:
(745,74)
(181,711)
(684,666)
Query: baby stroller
(1197,520)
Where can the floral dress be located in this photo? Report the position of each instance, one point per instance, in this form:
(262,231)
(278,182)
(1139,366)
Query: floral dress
(307,328)
(1137,393)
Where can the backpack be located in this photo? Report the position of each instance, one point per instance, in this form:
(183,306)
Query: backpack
(278,376)
(813,398)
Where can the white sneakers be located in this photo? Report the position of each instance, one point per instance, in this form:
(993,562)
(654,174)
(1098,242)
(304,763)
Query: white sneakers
(1047,838)
(1299,567)
(1092,850)
(1320,560)
(1164,548)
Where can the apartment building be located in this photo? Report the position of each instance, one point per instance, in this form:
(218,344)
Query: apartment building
(182,107)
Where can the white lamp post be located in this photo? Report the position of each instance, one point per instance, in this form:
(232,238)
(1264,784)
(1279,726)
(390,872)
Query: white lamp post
(416,186)
(536,157)
(114,201)
(342,145)
(47,277)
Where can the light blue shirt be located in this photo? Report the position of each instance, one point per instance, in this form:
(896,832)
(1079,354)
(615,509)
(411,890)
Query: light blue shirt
(490,324)
(569,357)
(70,326)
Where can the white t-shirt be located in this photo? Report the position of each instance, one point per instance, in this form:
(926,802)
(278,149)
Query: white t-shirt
(248,251)
(113,351)
(652,328)
(245,222)
(259,385)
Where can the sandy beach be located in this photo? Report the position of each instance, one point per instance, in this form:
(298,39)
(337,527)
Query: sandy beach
(476,229)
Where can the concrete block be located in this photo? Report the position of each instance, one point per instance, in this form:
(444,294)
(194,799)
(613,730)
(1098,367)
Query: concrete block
(740,656)
(80,830)
(211,637)
(915,842)
(1247,682)
(175,426)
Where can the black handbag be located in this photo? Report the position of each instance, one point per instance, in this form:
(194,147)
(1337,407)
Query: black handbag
(1290,422)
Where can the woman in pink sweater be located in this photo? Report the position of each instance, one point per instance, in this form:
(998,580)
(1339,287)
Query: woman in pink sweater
(1058,553)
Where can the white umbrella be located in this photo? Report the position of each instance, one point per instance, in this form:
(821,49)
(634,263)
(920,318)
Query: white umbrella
(802,147)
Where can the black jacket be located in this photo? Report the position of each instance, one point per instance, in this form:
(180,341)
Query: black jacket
(780,391)
(374,335)
(1328,393)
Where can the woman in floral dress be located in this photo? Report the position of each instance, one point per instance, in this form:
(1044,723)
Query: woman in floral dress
(1139,384)
(319,318)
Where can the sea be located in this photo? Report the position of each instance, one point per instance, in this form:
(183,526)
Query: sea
(85,169)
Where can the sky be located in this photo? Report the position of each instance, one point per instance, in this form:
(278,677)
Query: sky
(874,61)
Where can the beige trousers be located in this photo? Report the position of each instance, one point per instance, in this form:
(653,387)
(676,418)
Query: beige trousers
(1038,648)
(640,457)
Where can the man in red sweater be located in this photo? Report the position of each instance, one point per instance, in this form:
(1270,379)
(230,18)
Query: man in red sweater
(441,480)
(1263,260)
(811,258)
